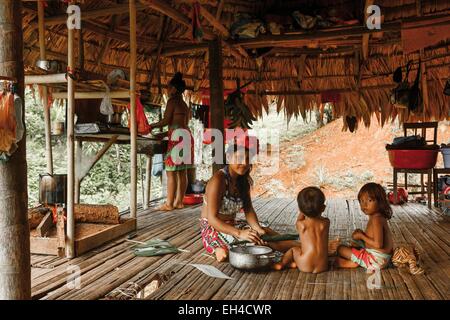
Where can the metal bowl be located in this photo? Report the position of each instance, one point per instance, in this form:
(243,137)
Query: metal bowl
(251,257)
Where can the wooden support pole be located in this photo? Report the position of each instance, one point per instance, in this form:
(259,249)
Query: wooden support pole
(148,181)
(70,236)
(425,96)
(15,273)
(78,162)
(216,92)
(133,129)
(106,146)
(47,118)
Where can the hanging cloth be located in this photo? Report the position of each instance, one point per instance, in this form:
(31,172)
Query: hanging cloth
(7,124)
(143,127)
(20,126)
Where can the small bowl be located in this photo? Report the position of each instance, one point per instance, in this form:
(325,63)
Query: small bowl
(191,199)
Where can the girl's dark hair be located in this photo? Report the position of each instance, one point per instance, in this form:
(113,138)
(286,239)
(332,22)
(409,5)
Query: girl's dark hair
(377,192)
(245,182)
(178,83)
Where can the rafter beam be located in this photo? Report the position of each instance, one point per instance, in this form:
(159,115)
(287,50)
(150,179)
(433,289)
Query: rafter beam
(214,22)
(341,32)
(165,8)
(92,14)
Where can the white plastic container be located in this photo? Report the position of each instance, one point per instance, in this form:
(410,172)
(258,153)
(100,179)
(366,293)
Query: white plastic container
(446,156)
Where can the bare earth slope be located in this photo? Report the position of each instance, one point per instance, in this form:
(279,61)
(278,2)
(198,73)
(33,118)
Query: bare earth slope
(339,162)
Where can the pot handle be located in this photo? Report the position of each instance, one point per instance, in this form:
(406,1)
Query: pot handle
(266,256)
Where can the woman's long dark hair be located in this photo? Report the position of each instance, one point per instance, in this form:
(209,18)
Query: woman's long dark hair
(245,182)
(376,191)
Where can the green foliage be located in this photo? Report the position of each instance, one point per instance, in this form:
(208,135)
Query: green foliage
(107,182)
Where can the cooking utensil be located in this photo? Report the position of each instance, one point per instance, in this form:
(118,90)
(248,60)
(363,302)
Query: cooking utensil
(52,189)
(198,187)
(58,128)
(251,257)
(191,199)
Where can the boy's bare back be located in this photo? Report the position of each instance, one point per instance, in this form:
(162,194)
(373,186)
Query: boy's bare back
(314,244)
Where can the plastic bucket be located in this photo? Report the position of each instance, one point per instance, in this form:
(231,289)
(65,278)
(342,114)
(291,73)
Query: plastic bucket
(413,159)
(446,156)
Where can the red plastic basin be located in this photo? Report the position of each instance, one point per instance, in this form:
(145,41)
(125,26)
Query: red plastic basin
(191,199)
(413,159)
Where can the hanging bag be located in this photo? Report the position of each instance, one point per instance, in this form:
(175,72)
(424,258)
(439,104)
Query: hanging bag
(400,95)
(447,87)
(414,98)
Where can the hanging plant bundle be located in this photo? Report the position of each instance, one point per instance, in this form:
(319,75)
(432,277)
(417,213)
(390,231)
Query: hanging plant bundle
(238,113)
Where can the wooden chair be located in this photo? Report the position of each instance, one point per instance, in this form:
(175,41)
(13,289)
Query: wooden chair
(419,129)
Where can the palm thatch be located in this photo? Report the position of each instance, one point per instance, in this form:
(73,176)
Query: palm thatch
(293,72)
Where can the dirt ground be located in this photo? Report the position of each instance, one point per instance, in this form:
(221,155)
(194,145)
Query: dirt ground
(339,162)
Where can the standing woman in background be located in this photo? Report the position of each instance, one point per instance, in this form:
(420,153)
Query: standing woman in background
(176,117)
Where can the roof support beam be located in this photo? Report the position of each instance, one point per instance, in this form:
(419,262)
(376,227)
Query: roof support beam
(341,32)
(92,14)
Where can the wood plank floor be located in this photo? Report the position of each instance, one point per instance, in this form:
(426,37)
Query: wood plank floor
(112,271)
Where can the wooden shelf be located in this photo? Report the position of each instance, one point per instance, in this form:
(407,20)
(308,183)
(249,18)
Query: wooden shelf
(87,236)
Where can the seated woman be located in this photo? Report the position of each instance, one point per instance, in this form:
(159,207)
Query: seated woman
(227,192)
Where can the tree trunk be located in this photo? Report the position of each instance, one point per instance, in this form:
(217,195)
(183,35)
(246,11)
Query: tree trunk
(15,273)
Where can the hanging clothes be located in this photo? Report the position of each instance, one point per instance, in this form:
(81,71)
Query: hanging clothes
(143,127)
(7,123)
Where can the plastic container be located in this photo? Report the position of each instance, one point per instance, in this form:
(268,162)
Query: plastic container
(413,159)
(446,156)
(191,199)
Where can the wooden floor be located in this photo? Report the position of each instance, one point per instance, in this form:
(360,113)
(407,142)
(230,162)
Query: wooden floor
(112,271)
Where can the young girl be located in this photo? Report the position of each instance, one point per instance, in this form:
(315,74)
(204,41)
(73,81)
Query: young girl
(373,247)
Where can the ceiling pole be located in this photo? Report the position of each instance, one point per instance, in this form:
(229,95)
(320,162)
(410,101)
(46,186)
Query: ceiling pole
(46,109)
(133,127)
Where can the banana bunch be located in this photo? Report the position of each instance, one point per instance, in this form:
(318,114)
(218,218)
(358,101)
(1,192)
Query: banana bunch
(238,112)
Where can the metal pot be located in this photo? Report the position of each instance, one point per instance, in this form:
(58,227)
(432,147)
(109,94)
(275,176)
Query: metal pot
(58,128)
(52,189)
(115,118)
(198,187)
(251,257)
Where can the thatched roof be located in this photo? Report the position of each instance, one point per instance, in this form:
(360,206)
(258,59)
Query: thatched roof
(324,60)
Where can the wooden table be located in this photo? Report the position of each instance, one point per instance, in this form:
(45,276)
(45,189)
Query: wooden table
(147,146)
(436,173)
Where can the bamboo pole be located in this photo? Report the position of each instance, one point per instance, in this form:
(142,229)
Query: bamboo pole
(46,78)
(122,94)
(47,118)
(148,182)
(70,240)
(78,162)
(133,128)
(15,273)
(426,100)
(216,92)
